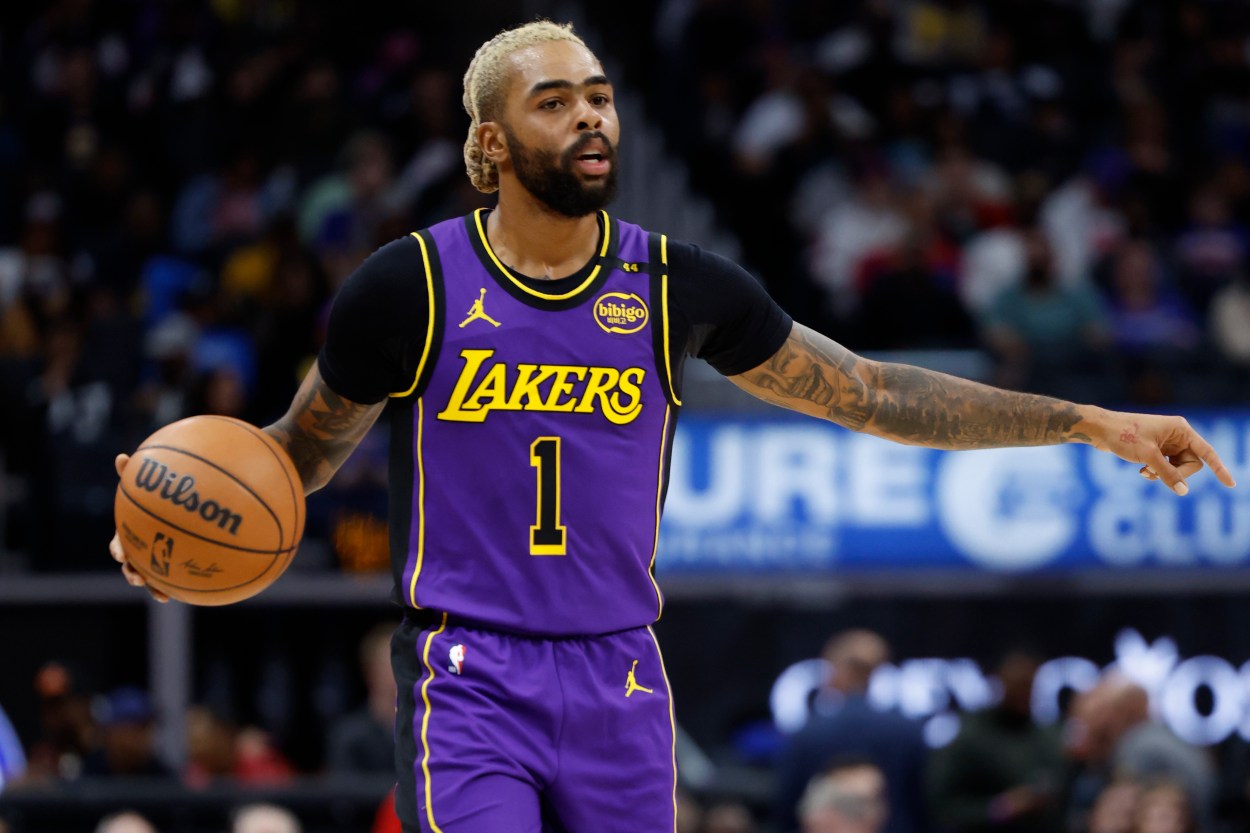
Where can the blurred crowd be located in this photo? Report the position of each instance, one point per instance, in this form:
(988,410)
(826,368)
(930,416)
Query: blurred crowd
(1065,183)
(88,736)
(185,185)
(1109,765)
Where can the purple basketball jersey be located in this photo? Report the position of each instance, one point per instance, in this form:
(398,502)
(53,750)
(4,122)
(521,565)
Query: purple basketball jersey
(540,439)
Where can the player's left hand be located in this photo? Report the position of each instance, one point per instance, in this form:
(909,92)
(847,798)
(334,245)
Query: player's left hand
(1167,446)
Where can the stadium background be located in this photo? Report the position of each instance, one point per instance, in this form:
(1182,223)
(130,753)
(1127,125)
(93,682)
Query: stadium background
(184,184)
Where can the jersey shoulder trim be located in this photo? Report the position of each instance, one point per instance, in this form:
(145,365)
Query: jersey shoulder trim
(433,271)
(658,256)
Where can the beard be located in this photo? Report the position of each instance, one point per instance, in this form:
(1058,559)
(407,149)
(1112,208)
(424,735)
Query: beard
(554,182)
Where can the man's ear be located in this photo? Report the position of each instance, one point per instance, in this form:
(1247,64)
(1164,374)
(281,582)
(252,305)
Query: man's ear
(494,143)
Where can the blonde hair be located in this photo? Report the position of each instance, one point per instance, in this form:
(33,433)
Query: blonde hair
(484,88)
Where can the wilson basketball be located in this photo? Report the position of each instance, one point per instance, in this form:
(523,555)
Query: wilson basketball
(210,510)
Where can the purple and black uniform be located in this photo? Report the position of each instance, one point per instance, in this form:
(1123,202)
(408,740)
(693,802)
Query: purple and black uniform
(532,424)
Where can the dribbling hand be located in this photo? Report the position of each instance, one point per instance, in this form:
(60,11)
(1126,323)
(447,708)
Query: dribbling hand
(133,577)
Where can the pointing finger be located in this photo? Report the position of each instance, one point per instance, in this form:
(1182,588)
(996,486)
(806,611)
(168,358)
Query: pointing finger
(1207,454)
(119,463)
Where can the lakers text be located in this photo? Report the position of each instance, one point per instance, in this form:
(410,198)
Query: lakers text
(484,386)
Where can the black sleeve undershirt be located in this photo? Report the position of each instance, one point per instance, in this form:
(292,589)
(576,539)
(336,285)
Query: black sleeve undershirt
(720,313)
(377,326)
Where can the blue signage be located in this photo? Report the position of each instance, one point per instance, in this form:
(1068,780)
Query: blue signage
(799,495)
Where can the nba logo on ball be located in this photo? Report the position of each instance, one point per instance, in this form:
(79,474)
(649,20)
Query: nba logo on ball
(456,657)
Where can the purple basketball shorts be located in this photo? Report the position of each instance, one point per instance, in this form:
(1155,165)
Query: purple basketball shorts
(503,733)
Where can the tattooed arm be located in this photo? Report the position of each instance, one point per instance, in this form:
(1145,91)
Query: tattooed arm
(321,429)
(817,376)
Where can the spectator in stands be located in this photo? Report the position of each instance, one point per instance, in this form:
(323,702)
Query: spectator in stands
(1230,320)
(845,723)
(1152,326)
(218,210)
(1164,808)
(1082,218)
(264,818)
(1146,748)
(364,741)
(1042,326)
(1088,745)
(871,220)
(127,821)
(1114,736)
(849,797)
(127,723)
(995,259)
(912,305)
(1213,249)
(217,748)
(1002,771)
(67,729)
(727,817)
(969,193)
(344,209)
(1145,314)
(1115,808)
(689,812)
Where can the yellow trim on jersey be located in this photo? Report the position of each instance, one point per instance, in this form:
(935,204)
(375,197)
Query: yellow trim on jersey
(607,234)
(672,720)
(412,587)
(668,361)
(659,492)
(425,721)
(429,324)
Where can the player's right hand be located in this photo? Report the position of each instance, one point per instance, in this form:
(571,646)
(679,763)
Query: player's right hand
(132,576)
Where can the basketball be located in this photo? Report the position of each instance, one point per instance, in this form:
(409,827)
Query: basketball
(209,510)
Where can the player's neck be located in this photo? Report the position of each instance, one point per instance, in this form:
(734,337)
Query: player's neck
(535,241)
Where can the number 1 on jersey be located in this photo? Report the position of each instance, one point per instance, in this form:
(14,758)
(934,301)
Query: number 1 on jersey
(547,535)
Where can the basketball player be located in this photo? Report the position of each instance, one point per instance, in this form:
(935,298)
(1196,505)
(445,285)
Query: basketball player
(531,437)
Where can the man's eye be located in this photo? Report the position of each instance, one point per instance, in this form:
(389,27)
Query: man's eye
(599,100)
(551,104)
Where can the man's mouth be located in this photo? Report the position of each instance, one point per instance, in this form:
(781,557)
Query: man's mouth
(592,162)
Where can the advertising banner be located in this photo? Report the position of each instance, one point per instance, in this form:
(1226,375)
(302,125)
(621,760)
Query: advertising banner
(794,495)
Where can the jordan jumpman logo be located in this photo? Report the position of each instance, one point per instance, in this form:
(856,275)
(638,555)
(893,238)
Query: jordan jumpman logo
(631,682)
(476,312)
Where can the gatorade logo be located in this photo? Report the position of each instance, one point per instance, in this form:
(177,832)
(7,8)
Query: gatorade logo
(618,312)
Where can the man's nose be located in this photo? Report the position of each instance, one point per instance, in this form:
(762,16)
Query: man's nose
(588,118)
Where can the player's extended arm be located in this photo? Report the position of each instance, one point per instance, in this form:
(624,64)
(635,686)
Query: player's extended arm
(321,429)
(815,375)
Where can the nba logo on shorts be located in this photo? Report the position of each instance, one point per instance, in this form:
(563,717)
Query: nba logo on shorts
(456,657)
